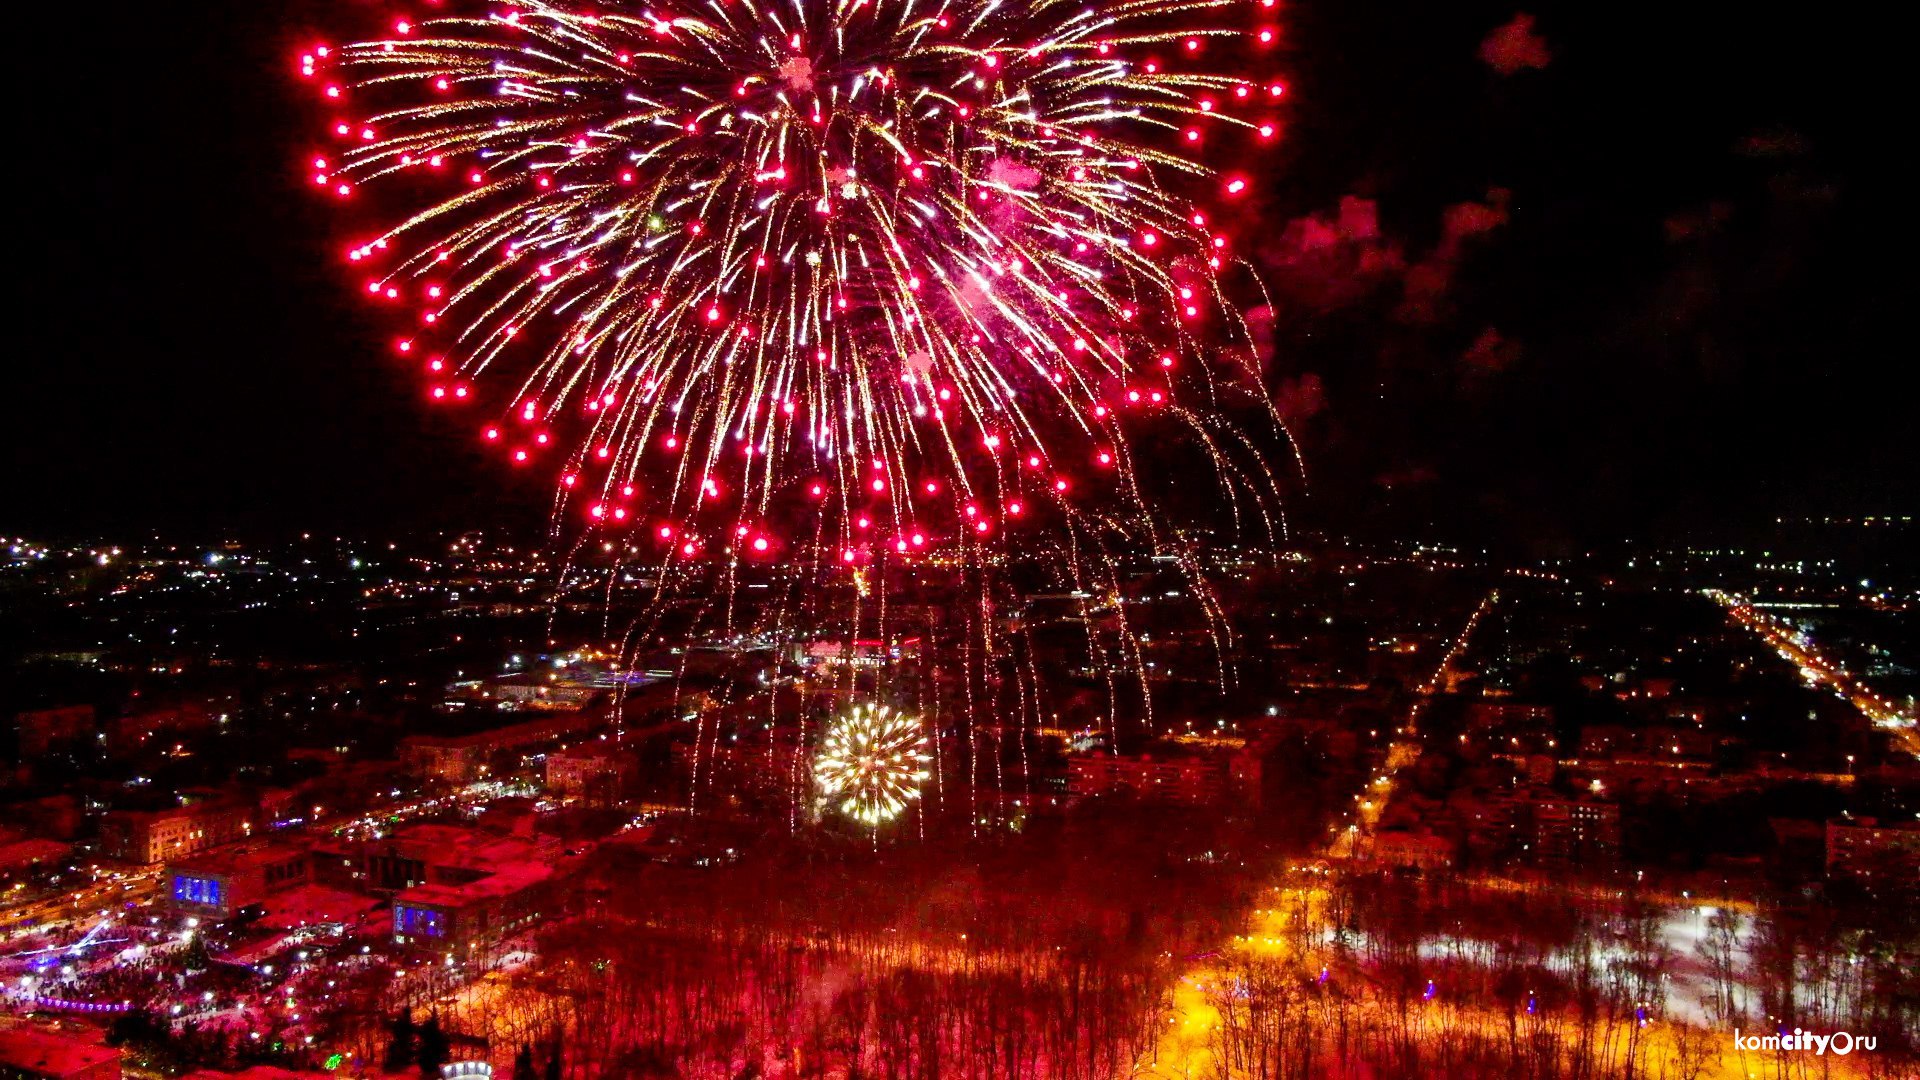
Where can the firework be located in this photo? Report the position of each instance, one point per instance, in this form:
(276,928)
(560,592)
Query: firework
(862,277)
(871,763)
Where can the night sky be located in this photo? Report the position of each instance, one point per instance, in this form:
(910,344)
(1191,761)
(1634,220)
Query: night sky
(1620,269)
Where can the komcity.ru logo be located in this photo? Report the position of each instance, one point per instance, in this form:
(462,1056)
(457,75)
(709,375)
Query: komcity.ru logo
(1840,1042)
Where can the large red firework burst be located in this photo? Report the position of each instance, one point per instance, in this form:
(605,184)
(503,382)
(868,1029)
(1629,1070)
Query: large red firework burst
(829,277)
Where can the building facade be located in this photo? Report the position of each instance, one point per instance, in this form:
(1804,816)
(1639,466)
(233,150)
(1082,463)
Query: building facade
(155,836)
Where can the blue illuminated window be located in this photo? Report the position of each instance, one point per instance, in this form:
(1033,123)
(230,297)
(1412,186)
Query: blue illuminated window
(198,890)
(418,921)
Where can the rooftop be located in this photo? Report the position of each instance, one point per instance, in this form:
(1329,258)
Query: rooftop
(242,858)
(504,882)
(314,905)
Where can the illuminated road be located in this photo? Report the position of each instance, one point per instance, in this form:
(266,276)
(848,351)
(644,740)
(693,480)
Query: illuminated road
(1799,650)
(1185,1051)
(110,891)
(1288,932)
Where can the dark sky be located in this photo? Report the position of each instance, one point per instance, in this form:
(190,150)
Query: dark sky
(1644,279)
